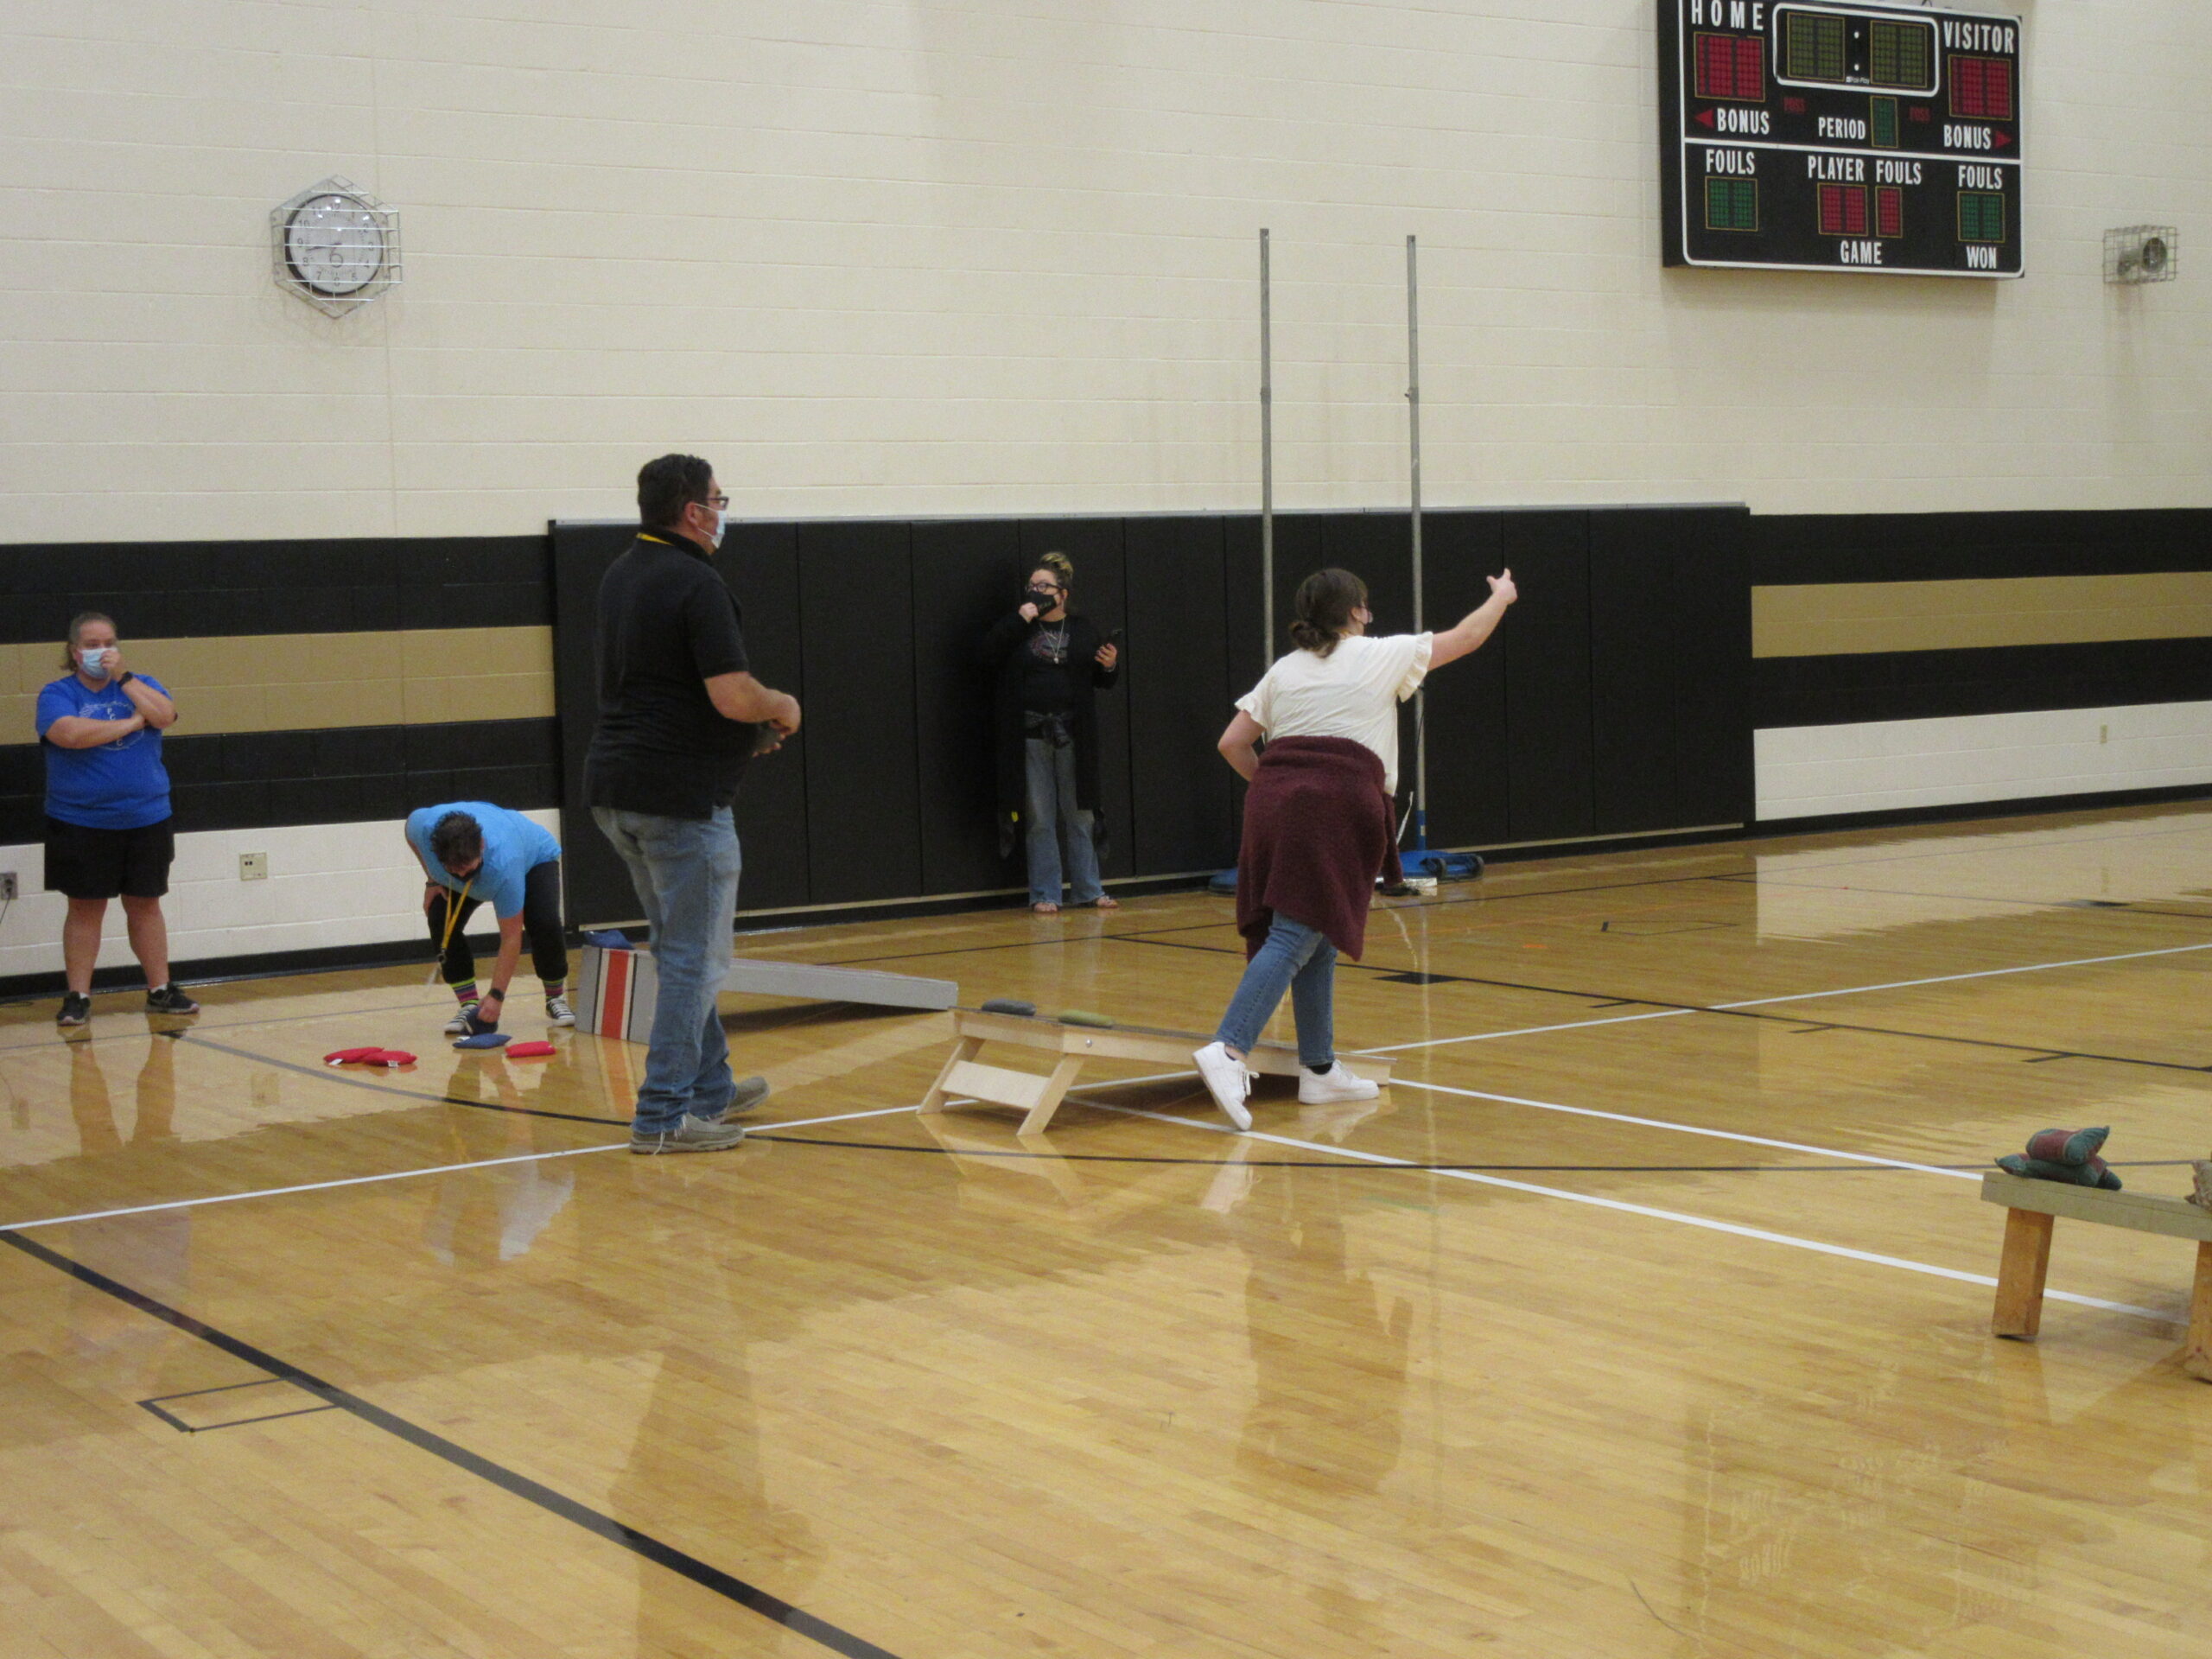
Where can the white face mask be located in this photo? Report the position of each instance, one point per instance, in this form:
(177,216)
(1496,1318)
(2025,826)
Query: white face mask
(721,525)
(93,659)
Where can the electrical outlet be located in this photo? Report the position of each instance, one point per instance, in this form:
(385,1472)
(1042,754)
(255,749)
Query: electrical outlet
(7,886)
(253,866)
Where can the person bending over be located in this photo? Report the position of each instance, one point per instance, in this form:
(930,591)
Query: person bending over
(1318,826)
(1044,727)
(470,853)
(108,829)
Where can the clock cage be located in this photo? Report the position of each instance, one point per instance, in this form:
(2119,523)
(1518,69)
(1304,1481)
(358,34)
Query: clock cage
(289,277)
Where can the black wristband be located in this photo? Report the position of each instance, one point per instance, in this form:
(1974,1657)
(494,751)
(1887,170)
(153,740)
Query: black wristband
(494,991)
(125,678)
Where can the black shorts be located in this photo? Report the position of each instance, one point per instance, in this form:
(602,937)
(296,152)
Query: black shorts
(86,863)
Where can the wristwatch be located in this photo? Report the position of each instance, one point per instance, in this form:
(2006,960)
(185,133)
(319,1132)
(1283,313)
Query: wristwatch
(124,678)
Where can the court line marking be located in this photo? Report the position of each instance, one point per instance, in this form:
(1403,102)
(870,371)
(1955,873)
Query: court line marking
(1692,1129)
(487,1163)
(310,1186)
(1797,996)
(1531,1030)
(601,1525)
(1735,1229)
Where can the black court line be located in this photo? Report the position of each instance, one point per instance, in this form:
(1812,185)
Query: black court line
(1386,971)
(1146,933)
(182,1427)
(1407,1165)
(1400,1167)
(725,1584)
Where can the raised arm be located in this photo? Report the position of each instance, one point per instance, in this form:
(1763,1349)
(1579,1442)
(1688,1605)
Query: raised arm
(1475,627)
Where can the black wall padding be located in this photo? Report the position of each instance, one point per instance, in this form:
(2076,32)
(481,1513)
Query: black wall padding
(863,795)
(1799,548)
(1467,752)
(197,590)
(352,774)
(1177,687)
(759,563)
(1097,548)
(966,575)
(1550,791)
(1711,621)
(596,886)
(1635,711)
(1988,680)
(1794,549)
(875,625)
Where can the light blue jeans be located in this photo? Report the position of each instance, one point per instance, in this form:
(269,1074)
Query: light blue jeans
(1294,957)
(685,871)
(1052,811)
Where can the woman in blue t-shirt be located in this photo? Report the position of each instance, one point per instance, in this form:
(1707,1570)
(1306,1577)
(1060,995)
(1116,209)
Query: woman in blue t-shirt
(108,832)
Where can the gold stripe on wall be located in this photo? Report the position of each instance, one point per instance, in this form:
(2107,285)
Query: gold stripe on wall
(295,681)
(1851,617)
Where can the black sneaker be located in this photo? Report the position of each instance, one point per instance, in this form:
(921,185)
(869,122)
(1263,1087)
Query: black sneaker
(170,999)
(76,1009)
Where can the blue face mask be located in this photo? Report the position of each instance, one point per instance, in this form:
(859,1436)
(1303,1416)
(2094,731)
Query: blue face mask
(93,660)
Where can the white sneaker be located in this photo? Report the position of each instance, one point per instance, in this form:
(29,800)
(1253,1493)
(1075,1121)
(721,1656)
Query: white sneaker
(1228,1080)
(1334,1084)
(459,1025)
(558,1012)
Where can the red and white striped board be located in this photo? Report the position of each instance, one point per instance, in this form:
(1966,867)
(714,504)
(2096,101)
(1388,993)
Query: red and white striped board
(616,992)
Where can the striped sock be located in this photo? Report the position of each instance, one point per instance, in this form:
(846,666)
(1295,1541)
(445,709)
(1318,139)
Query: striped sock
(554,988)
(465,991)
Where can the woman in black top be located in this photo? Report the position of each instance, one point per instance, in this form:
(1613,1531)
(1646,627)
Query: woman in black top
(1048,662)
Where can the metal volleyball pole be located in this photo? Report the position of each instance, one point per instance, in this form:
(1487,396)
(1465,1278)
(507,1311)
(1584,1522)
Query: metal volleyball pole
(1413,430)
(1266,463)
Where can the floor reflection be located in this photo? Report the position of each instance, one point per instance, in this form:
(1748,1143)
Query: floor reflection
(479,1218)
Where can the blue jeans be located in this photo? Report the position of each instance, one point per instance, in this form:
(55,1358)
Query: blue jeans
(685,871)
(1295,958)
(1052,809)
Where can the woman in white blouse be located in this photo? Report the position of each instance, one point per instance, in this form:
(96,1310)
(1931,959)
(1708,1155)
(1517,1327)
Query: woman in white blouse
(1318,822)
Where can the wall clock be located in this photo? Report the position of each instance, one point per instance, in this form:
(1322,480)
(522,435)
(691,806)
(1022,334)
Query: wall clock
(335,245)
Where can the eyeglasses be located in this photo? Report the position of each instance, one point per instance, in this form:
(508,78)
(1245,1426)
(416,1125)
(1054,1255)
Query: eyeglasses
(718,502)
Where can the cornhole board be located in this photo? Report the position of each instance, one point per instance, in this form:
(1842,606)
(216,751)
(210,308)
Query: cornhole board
(2031,1210)
(1039,1093)
(617,990)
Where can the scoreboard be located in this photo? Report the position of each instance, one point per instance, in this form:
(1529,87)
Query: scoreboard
(1805,136)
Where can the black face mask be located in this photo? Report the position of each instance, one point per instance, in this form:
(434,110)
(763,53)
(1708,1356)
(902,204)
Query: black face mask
(1043,599)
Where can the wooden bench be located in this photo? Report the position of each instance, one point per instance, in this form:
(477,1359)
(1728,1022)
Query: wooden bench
(1039,1093)
(2033,1208)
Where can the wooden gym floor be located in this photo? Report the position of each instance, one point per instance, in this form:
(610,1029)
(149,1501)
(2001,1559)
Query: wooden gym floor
(1645,1318)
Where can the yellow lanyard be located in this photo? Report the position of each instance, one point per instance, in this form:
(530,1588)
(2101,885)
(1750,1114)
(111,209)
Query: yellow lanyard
(453,914)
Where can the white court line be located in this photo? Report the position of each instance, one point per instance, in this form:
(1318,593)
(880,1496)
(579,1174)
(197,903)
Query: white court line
(1949,979)
(1532,1031)
(311,1186)
(1732,1228)
(1769,1001)
(1692,1129)
(487,1163)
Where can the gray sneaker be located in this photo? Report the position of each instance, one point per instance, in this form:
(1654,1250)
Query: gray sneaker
(749,1093)
(693,1135)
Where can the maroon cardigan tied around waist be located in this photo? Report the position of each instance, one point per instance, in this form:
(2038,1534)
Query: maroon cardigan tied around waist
(1318,830)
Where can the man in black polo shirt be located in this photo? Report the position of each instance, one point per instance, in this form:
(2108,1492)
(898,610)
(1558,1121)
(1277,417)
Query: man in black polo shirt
(679,716)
